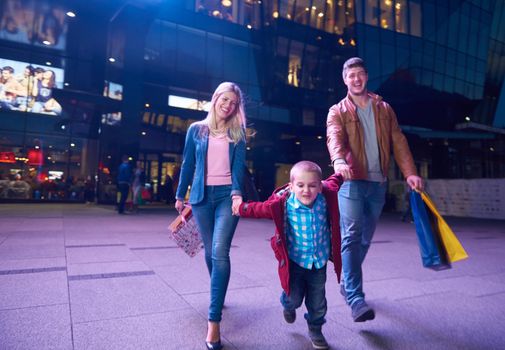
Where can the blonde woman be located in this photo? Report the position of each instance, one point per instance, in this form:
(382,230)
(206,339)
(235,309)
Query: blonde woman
(213,162)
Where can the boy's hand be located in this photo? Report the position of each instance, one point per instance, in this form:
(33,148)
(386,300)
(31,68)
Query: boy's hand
(235,205)
(343,169)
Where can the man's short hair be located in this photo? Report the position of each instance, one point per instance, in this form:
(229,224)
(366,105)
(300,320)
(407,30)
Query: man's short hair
(353,62)
(305,166)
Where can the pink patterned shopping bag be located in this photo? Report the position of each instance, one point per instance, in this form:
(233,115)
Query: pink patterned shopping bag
(185,232)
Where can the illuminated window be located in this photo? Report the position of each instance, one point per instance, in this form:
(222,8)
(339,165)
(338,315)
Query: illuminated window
(415,18)
(160,120)
(386,11)
(401,16)
(188,103)
(372,13)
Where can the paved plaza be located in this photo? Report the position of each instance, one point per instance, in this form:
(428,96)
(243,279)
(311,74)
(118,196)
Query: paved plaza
(82,277)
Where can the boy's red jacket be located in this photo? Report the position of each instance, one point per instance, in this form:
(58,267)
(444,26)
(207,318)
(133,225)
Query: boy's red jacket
(273,208)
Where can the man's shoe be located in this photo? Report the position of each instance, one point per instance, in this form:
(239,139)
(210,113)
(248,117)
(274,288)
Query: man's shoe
(361,312)
(317,338)
(289,315)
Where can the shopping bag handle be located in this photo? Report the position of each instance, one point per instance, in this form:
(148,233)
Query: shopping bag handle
(182,214)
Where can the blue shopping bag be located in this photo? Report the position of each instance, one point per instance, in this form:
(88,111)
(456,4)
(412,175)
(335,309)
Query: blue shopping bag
(433,253)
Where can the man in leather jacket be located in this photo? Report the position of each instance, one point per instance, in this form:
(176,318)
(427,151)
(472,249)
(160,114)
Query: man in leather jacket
(362,130)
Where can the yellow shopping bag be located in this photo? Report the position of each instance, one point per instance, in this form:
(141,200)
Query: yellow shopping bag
(453,247)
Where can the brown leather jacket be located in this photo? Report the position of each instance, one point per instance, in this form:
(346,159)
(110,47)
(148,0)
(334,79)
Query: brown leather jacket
(345,138)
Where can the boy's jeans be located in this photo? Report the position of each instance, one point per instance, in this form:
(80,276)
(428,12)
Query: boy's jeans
(217,226)
(360,204)
(311,285)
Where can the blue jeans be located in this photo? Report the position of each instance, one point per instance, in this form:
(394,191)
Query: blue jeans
(217,226)
(360,204)
(311,285)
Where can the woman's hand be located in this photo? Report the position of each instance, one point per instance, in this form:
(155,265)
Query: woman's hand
(179,205)
(235,205)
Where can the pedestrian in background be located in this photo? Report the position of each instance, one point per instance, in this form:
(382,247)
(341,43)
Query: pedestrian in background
(124,179)
(362,130)
(139,180)
(213,163)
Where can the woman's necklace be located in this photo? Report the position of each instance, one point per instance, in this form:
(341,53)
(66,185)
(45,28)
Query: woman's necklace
(219,132)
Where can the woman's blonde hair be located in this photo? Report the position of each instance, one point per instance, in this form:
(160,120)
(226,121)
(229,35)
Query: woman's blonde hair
(236,124)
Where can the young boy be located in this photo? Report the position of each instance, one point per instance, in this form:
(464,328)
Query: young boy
(307,235)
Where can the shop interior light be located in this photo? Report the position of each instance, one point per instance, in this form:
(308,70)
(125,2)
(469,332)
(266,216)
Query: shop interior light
(226,3)
(112,59)
(46,42)
(71,14)
(48,63)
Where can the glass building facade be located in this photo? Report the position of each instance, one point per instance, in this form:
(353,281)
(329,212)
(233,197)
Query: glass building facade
(84,83)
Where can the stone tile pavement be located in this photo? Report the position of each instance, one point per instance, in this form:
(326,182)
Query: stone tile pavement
(83,277)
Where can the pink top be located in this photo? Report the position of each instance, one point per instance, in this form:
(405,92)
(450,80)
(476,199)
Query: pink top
(218,161)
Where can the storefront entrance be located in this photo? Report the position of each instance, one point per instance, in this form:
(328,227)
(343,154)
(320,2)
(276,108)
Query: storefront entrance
(162,175)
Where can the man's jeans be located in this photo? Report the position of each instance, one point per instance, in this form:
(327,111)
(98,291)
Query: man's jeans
(360,204)
(311,285)
(217,226)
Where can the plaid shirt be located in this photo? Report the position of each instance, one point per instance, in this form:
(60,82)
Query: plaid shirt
(308,232)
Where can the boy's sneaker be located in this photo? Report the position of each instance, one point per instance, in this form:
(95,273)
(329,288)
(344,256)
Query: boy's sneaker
(317,338)
(361,312)
(289,315)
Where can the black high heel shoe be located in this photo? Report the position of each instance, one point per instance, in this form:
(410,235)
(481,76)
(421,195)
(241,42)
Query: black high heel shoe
(214,345)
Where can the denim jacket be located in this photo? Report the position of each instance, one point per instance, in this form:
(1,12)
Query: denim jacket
(193,164)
